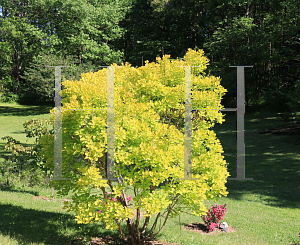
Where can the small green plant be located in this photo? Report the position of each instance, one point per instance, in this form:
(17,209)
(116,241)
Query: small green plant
(257,114)
(26,162)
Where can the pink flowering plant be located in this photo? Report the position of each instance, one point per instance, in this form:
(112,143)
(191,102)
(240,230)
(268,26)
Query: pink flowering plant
(214,216)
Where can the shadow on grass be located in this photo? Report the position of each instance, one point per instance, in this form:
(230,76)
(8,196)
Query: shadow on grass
(272,159)
(11,189)
(10,110)
(32,226)
(18,132)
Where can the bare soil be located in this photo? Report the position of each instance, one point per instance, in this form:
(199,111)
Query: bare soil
(41,198)
(292,130)
(116,241)
(203,229)
(48,199)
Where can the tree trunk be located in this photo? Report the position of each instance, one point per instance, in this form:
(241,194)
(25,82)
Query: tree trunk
(17,68)
(247,9)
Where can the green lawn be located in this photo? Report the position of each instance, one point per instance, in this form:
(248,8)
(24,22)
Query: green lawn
(263,211)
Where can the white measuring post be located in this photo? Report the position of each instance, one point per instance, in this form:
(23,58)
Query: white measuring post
(110,125)
(57,127)
(240,112)
(240,109)
(58,124)
(188,127)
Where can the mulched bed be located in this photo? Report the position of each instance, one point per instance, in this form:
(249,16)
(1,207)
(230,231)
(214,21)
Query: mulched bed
(116,241)
(203,229)
(194,227)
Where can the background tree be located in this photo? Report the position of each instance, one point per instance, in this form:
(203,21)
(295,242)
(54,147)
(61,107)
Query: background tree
(20,43)
(264,34)
(84,29)
(158,27)
(254,33)
(261,34)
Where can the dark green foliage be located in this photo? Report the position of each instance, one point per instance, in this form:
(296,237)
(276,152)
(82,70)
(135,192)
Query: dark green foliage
(276,98)
(294,102)
(40,80)
(283,100)
(6,93)
(263,34)
(20,41)
(31,30)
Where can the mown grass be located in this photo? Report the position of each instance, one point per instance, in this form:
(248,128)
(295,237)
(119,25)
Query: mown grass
(263,211)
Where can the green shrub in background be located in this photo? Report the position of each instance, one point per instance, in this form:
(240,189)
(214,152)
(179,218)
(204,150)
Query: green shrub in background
(12,177)
(9,97)
(282,100)
(26,163)
(6,94)
(39,82)
(294,103)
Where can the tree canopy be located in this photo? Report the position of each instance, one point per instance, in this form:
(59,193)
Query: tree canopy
(264,34)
